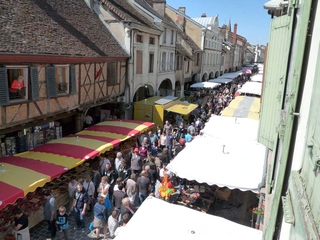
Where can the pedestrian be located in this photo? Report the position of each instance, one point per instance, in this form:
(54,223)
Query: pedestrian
(88,185)
(88,121)
(20,225)
(117,162)
(127,207)
(131,188)
(100,213)
(144,186)
(124,171)
(118,195)
(62,222)
(102,163)
(124,220)
(72,187)
(9,236)
(113,223)
(96,180)
(50,212)
(170,143)
(80,202)
(136,162)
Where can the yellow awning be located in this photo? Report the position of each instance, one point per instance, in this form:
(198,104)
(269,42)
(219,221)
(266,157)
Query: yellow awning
(243,106)
(182,108)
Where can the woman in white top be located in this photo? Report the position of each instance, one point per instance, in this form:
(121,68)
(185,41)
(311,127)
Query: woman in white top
(104,187)
(162,140)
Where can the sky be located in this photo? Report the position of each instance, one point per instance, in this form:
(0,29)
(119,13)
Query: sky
(252,19)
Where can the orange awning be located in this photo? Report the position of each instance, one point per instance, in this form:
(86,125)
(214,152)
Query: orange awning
(26,171)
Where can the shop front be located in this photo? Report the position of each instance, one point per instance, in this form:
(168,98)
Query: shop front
(23,176)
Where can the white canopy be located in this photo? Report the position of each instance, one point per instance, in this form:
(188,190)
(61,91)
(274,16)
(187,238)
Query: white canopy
(225,154)
(221,80)
(178,222)
(256,78)
(226,78)
(251,88)
(205,85)
(237,128)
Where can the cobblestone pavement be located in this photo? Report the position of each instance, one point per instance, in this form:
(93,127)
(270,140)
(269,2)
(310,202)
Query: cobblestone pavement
(40,231)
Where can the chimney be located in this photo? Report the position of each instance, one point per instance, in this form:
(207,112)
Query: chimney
(181,19)
(159,6)
(235,28)
(203,15)
(182,10)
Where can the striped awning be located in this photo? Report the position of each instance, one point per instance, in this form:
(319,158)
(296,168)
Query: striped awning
(243,107)
(24,172)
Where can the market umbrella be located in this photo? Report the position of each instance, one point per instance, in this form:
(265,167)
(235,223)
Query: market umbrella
(247,71)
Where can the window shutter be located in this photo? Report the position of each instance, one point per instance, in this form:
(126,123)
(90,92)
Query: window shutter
(34,83)
(51,82)
(4,89)
(73,84)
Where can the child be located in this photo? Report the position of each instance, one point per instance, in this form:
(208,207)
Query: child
(62,221)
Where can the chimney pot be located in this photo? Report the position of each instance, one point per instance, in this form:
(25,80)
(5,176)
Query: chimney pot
(203,15)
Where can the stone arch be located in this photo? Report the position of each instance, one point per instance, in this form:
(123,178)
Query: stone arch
(165,88)
(204,77)
(217,74)
(143,92)
(211,75)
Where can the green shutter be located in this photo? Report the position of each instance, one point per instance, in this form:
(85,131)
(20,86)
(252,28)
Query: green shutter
(4,88)
(34,77)
(51,82)
(275,80)
(73,83)
(289,112)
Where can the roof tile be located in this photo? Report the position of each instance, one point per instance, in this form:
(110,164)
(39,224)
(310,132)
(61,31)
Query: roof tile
(55,27)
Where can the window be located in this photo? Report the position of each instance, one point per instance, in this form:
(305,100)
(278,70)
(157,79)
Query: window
(139,38)
(198,59)
(112,74)
(151,62)
(164,40)
(187,66)
(163,61)
(151,40)
(17,79)
(62,78)
(139,62)
(171,61)
(172,36)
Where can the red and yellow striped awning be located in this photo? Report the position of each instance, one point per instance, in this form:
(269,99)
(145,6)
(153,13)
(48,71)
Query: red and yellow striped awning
(26,171)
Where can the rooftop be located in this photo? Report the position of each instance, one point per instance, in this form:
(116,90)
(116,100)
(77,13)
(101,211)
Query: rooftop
(55,27)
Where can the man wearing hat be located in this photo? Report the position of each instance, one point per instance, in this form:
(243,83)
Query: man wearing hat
(136,162)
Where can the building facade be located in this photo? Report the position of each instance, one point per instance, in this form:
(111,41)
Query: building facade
(63,65)
(289,123)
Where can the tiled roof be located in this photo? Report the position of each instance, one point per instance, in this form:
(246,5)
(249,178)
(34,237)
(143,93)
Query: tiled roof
(54,27)
(146,5)
(125,11)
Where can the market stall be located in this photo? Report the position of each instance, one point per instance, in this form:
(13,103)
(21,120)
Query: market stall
(223,162)
(22,175)
(158,109)
(205,85)
(252,88)
(177,222)
(243,107)
(237,128)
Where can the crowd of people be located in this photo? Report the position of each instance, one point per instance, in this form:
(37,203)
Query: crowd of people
(120,185)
